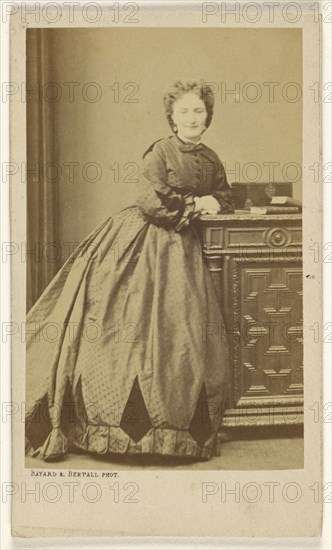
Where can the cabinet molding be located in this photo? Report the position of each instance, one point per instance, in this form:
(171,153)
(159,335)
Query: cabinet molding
(256,266)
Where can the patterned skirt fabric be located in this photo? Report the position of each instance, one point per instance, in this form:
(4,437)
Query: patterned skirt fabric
(126,349)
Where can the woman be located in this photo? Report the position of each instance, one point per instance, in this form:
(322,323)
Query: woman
(121,356)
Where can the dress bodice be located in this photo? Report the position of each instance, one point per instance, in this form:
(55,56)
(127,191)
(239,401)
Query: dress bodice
(173,173)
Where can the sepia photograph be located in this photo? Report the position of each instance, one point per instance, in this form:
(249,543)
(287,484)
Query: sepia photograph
(166,271)
(174,329)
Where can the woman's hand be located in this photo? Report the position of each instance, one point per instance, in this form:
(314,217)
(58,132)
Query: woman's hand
(206,205)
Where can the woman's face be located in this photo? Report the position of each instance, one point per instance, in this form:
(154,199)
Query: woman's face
(189,114)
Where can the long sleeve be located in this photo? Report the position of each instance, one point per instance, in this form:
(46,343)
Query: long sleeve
(222,191)
(159,202)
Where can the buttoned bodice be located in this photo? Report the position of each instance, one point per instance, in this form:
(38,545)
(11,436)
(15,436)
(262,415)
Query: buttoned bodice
(173,173)
(188,167)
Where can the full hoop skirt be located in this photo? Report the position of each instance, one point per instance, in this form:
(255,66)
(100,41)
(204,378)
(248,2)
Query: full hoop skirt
(126,348)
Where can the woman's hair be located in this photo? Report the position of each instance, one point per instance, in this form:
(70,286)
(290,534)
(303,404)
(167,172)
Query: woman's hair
(181,87)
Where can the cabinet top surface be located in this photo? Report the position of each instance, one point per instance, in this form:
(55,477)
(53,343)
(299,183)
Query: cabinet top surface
(205,218)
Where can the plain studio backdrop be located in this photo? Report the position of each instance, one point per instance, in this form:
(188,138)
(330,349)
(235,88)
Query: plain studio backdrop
(101,106)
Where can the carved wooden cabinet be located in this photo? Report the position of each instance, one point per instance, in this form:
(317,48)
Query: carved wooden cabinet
(256,265)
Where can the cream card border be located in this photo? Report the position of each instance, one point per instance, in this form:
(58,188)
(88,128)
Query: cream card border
(170,503)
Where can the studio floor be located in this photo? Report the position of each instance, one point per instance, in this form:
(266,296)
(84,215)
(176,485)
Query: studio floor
(238,453)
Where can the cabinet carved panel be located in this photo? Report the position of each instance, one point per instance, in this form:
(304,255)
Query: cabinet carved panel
(258,280)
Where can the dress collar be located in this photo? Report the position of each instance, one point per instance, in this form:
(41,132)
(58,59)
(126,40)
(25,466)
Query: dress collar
(187,145)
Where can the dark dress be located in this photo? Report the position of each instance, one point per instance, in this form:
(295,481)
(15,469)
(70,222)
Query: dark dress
(121,356)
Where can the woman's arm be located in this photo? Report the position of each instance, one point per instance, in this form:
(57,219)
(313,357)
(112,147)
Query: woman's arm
(222,191)
(161,204)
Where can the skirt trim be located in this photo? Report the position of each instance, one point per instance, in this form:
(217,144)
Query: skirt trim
(108,439)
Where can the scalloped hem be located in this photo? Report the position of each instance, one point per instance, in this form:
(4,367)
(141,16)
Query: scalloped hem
(161,441)
(158,441)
